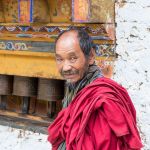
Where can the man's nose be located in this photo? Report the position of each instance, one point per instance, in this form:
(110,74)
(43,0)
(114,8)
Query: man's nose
(66,66)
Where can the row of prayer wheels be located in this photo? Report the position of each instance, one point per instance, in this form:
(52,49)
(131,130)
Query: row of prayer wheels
(49,90)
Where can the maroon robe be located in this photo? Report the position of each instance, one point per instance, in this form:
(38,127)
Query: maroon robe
(100,117)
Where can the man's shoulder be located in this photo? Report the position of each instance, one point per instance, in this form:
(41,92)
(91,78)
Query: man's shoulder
(106,81)
(103,83)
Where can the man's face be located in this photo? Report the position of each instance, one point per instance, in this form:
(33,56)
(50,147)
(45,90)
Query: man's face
(70,59)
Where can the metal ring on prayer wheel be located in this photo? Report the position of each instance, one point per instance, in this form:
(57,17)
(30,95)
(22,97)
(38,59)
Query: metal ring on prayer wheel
(50,90)
(25,86)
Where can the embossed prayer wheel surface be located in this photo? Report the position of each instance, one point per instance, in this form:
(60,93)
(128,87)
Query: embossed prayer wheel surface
(50,90)
(24,86)
(5,85)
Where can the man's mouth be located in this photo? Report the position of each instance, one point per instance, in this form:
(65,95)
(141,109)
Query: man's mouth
(69,76)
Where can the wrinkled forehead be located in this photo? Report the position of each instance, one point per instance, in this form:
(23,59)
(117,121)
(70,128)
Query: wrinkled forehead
(69,38)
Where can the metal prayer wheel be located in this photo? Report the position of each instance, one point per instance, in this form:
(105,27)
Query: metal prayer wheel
(50,90)
(25,86)
(5,89)
(5,85)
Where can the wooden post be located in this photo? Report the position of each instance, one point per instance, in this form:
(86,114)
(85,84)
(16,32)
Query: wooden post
(25,105)
(3,102)
(51,109)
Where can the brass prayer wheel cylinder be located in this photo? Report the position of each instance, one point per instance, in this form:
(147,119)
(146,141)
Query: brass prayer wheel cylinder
(25,86)
(50,90)
(5,85)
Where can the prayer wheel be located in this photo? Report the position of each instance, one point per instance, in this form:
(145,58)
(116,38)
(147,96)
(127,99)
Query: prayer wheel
(51,91)
(5,89)
(25,87)
(5,85)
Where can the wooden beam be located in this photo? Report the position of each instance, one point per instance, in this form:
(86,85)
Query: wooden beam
(27,122)
(22,117)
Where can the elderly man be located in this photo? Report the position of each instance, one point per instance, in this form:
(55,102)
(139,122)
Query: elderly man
(97,112)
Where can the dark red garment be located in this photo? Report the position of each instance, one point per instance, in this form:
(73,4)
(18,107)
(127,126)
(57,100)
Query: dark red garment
(100,117)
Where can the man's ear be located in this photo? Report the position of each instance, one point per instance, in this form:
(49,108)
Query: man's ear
(92,57)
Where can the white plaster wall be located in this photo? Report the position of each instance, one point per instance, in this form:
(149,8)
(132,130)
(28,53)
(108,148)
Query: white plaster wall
(132,69)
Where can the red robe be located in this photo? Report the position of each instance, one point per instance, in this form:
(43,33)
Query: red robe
(100,117)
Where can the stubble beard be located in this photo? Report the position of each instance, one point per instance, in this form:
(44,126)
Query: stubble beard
(73,84)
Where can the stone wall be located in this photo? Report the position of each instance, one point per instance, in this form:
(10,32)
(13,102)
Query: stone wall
(132,68)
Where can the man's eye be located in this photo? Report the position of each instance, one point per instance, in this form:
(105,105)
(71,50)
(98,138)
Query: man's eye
(73,59)
(59,59)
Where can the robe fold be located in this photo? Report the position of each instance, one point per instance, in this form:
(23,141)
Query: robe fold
(100,117)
